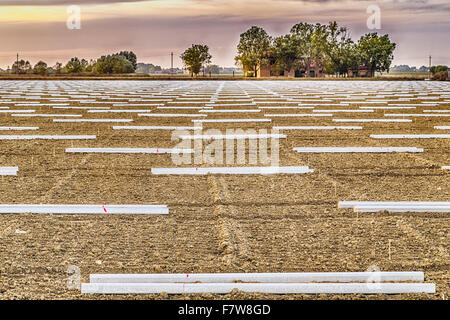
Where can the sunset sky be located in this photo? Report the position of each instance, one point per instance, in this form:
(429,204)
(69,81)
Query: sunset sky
(37,30)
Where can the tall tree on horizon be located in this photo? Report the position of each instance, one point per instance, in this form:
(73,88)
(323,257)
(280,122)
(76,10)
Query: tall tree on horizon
(253,48)
(376,52)
(196,57)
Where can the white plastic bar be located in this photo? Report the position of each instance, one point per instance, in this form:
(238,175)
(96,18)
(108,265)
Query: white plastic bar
(45,115)
(137,104)
(230,110)
(183,108)
(9,171)
(345,111)
(442,127)
(231,120)
(16,111)
(376,208)
(93,120)
(128,150)
(45,137)
(372,120)
(416,115)
(387,107)
(352,204)
(18,128)
(300,277)
(154,128)
(232,170)
(445,167)
(120,111)
(269,288)
(410,136)
(83,209)
(232,136)
(163,115)
(299,115)
(83,108)
(284,107)
(316,128)
(357,149)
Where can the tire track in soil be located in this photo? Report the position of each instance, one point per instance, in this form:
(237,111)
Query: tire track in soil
(441,280)
(407,229)
(233,250)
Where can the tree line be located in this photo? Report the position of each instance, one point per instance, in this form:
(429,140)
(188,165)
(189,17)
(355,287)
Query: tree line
(328,47)
(122,62)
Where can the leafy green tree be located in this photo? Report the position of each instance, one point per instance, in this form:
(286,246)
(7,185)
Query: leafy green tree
(112,64)
(130,56)
(195,57)
(253,48)
(58,67)
(21,67)
(74,65)
(90,66)
(341,50)
(441,76)
(376,52)
(285,50)
(437,69)
(40,68)
(312,44)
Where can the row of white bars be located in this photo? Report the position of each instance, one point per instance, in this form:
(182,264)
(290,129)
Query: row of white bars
(271,283)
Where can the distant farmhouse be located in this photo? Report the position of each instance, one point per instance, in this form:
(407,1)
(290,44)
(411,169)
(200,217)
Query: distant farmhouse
(271,69)
(314,71)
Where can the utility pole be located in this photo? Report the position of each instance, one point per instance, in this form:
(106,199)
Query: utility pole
(429,69)
(171,63)
(17,64)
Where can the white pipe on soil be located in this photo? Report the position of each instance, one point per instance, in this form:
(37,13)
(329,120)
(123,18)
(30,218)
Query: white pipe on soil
(83,209)
(269,288)
(294,277)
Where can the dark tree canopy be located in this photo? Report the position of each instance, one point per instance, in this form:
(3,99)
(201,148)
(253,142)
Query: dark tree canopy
(253,48)
(40,68)
(112,64)
(375,52)
(74,66)
(196,57)
(325,47)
